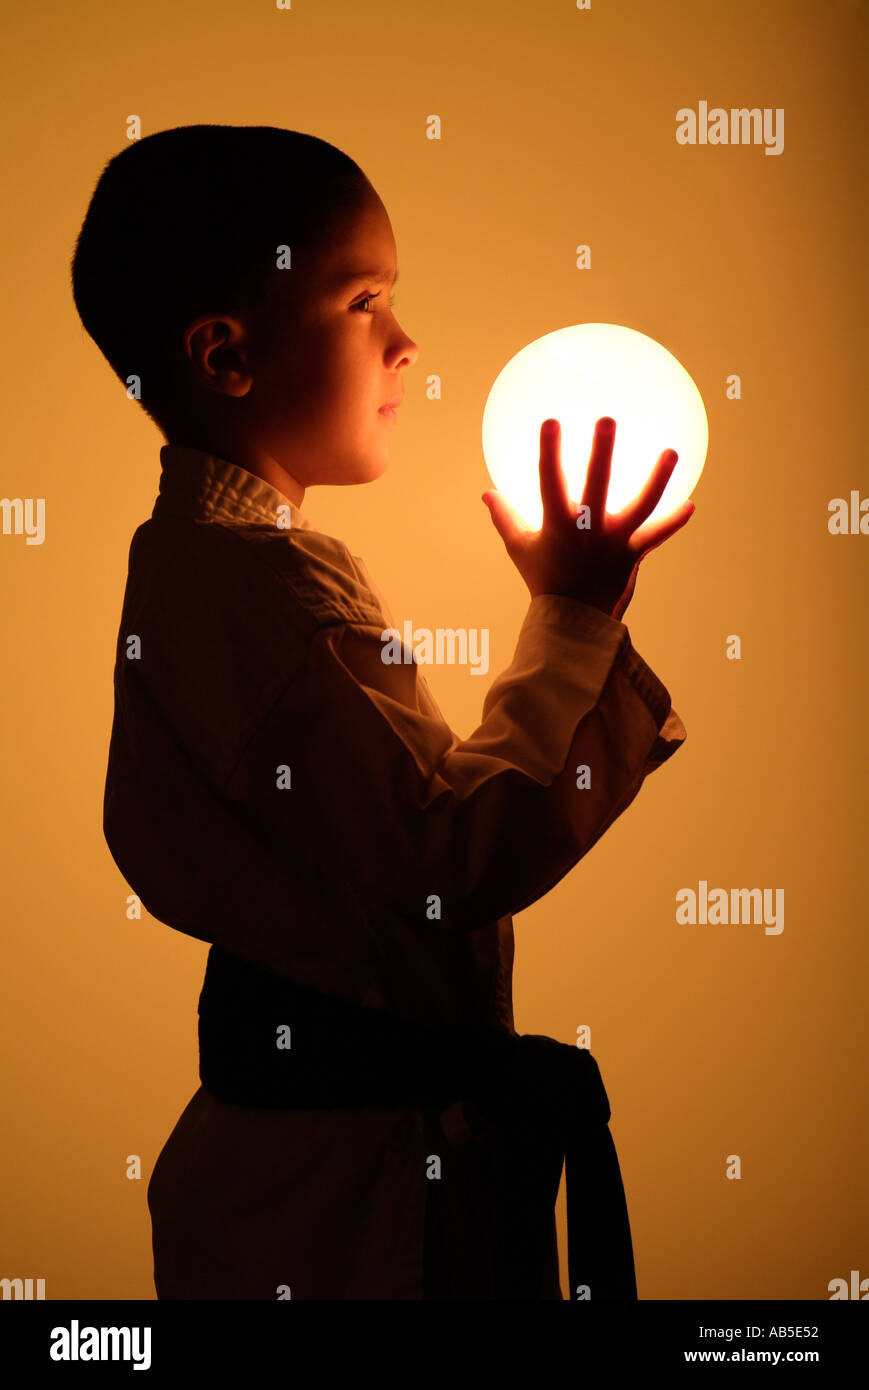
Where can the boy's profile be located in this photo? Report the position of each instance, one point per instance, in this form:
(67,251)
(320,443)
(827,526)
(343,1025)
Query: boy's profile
(276,789)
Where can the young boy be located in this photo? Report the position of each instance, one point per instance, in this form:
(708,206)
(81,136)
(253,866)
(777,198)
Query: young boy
(276,789)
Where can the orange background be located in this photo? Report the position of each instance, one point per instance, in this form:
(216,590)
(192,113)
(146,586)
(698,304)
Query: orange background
(558,129)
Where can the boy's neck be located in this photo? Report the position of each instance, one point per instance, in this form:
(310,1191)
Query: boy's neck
(271,472)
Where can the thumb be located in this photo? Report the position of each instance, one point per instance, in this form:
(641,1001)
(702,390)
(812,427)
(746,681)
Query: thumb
(508,523)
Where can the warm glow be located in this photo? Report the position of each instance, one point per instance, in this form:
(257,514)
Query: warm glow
(576,375)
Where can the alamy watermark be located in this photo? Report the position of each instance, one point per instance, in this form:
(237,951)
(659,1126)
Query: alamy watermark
(718,907)
(449,646)
(739,126)
(102,1344)
(21,509)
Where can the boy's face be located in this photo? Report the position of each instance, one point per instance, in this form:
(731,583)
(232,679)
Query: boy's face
(327,357)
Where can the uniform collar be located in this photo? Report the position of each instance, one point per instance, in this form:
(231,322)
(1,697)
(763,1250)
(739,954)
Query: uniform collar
(202,486)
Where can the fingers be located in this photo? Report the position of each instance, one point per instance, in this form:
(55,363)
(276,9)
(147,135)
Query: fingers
(597,479)
(508,522)
(647,500)
(650,537)
(553,487)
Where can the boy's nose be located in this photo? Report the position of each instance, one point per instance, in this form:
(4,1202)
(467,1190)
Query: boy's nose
(410,351)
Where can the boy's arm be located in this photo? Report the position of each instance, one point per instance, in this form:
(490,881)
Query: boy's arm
(382,791)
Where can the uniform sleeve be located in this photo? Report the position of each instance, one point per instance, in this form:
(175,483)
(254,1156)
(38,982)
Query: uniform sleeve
(355,765)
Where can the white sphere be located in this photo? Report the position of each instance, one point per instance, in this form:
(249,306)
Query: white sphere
(577,375)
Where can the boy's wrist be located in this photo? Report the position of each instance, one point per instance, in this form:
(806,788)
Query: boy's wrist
(601,605)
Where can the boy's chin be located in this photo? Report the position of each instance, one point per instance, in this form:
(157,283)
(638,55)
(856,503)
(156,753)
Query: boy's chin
(364,471)
(353,469)
(373,467)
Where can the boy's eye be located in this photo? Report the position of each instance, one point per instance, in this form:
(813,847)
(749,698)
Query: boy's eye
(359,303)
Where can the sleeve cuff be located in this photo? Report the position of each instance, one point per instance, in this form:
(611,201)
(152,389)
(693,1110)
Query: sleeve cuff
(609,643)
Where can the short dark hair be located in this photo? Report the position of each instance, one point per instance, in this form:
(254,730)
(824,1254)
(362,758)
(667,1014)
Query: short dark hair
(188,221)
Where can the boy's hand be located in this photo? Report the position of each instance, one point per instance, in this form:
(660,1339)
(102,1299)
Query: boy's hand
(598,565)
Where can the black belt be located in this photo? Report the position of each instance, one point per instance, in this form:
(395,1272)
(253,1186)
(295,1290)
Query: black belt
(542,1103)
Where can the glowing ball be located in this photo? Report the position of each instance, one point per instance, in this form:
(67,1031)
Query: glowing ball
(577,375)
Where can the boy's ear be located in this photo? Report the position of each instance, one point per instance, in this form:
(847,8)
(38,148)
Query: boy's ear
(215,347)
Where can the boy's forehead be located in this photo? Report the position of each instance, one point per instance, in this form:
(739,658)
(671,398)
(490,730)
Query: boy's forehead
(362,248)
(348,276)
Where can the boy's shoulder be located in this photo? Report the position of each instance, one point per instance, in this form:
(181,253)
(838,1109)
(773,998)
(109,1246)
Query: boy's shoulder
(299,578)
(223,538)
(223,614)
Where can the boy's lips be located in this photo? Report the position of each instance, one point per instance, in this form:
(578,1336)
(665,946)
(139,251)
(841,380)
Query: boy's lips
(389,410)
